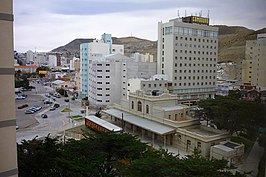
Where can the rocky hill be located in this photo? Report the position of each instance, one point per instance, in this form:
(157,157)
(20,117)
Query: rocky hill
(232,40)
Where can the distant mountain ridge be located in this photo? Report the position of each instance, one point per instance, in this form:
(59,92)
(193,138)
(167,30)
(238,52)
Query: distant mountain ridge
(232,41)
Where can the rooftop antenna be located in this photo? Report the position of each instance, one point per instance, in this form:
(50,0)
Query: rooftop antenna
(178,14)
(200,13)
(185,13)
(208,13)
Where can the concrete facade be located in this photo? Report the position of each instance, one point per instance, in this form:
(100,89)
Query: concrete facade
(166,110)
(93,51)
(254,65)
(187,53)
(8,147)
(108,78)
(230,151)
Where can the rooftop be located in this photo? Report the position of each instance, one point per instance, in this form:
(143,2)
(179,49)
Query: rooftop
(173,107)
(202,131)
(152,126)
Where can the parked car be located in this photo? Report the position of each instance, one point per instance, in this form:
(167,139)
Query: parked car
(20,97)
(52,108)
(44,116)
(66,100)
(37,107)
(33,109)
(56,105)
(23,106)
(47,101)
(29,111)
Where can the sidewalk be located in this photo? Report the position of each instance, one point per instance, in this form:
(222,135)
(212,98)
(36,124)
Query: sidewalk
(251,163)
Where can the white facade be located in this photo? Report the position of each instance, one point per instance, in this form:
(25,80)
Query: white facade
(29,56)
(108,78)
(187,53)
(52,61)
(117,49)
(104,81)
(143,57)
(88,53)
(157,84)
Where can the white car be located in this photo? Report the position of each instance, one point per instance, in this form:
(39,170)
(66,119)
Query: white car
(20,97)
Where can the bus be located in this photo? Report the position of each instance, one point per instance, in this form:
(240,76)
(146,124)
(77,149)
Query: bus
(101,125)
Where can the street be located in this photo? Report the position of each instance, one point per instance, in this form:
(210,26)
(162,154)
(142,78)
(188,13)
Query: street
(33,125)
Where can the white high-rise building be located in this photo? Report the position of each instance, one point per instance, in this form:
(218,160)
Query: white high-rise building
(29,56)
(92,51)
(187,53)
(108,78)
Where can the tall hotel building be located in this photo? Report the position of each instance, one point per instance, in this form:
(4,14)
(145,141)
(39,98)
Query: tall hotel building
(187,53)
(8,146)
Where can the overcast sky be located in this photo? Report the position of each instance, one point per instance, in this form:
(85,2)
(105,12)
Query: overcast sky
(46,24)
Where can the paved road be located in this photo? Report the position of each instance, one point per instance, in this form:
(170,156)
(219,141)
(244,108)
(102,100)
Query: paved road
(57,121)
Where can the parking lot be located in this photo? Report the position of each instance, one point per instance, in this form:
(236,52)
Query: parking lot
(27,120)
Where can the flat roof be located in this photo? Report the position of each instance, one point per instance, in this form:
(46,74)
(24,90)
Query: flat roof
(231,145)
(223,147)
(104,123)
(202,131)
(152,126)
(172,107)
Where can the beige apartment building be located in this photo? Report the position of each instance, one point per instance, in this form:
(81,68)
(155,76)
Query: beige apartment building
(8,147)
(187,52)
(254,65)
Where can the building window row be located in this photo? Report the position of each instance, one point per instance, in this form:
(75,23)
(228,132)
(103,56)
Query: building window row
(185,45)
(194,52)
(190,32)
(195,77)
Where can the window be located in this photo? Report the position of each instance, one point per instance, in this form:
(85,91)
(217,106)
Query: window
(107,65)
(132,104)
(147,109)
(107,76)
(179,139)
(199,145)
(107,82)
(139,106)
(107,88)
(107,71)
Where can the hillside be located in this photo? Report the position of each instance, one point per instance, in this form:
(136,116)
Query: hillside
(232,40)
(133,44)
(72,47)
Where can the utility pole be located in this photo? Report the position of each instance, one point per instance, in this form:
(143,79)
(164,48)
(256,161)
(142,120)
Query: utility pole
(122,122)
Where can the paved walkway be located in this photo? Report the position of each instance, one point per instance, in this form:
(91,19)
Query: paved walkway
(251,163)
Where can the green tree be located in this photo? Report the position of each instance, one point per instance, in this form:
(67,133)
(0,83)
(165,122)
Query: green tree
(110,155)
(235,115)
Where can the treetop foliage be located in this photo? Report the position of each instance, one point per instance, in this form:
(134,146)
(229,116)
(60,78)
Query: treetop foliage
(110,155)
(234,115)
